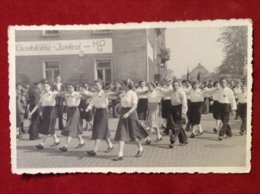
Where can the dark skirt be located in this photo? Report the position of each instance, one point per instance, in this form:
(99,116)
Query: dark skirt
(215,110)
(242,109)
(34,125)
(47,125)
(19,119)
(166,108)
(73,126)
(88,116)
(100,124)
(195,112)
(142,107)
(130,128)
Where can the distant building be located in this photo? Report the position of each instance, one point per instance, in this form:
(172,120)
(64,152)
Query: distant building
(198,73)
(87,55)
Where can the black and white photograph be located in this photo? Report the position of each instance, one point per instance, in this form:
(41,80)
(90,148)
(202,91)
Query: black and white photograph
(152,97)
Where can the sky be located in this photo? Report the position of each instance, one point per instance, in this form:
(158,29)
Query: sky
(190,46)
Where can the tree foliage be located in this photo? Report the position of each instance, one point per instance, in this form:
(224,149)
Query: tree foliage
(235,48)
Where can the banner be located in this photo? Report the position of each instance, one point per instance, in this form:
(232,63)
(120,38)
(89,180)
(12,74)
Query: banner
(64,47)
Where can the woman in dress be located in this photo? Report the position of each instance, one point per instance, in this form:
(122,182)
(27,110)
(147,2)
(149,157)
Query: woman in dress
(73,126)
(129,127)
(84,103)
(142,105)
(154,97)
(47,125)
(242,109)
(215,106)
(34,96)
(100,124)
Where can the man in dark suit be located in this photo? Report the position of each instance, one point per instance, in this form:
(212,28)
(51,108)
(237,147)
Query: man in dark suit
(59,100)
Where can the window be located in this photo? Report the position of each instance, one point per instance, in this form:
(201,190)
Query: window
(50,32)
(104,71)
(51,70)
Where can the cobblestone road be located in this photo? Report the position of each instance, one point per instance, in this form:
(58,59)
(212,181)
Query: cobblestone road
(203,151)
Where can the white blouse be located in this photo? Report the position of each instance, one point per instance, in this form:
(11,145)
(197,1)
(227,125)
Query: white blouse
(129,99)
(73,99)
(196,95)
(226,96)
(166,89)
(154,97)
(143,96)
(242,98)
(48,98)
(99,100)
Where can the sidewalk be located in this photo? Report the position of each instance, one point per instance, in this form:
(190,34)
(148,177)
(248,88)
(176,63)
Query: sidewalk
(203,151)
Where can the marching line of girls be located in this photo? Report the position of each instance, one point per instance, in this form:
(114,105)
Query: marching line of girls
(140,111)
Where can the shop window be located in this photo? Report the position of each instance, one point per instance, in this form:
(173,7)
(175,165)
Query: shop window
(50,32)
(104,70)
(52,70)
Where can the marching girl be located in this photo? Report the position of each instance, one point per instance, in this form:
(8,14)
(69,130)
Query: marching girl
(215,106)
(197,97)
(129,127)
(47,125)
(84,103)
(73,126)
(242,108)
(34,96)
(154,97)
(227,105)
(100,123)
(166,106)
(142,103)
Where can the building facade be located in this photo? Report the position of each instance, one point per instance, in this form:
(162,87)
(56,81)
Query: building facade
(87,55)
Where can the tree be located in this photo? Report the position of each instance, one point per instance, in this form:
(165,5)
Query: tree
(165,55)
(234,39)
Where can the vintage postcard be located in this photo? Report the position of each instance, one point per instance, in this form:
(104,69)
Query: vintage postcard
(154,97)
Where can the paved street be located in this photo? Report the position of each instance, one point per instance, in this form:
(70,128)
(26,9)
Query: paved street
(203,151)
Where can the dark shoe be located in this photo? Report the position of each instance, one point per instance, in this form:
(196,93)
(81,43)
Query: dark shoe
(55,144)
(63,149)
(215,130)
(148,142)
(91,153)
(118,158)
(200,133)
(220,138)
(192,136)
(171,145)
(139,154)
(241,132)
(166,132)
(39,147)
(109,149)
(183,144)
(158,139)
(80,145)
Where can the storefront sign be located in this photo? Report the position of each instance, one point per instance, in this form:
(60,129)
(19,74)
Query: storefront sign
(64,47)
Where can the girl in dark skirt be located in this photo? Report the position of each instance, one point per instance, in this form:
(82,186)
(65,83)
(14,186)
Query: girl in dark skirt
(196,101)
(84,103)
(215,107)
(73,126)
(142,105)
(129,128)
(47,125)
(34,95)
(242,109)
(100,123)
